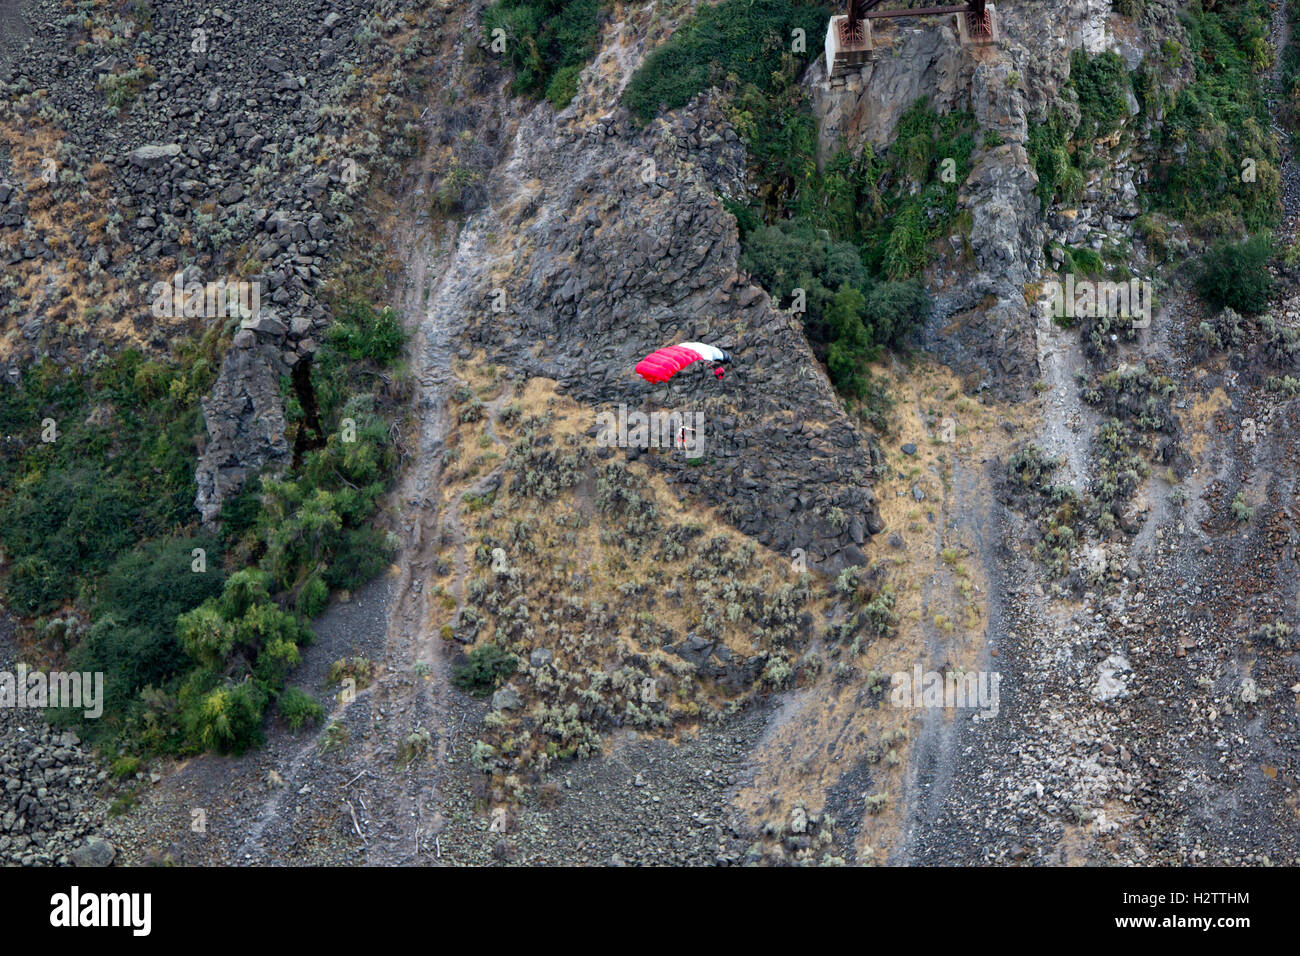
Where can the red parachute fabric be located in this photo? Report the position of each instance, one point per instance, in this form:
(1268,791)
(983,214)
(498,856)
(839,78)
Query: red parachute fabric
(662,365)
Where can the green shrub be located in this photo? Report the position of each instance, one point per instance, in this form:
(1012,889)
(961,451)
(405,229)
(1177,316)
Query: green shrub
(227,719)
(298,708)
(905,248)
(1048,148)
(485,666)
(154,584)
(1083,261)
(793,254)
(35,587)
(252,643)
(243,629)
(360,331)
(206,636)
(120,89)
(1287,385)
(244,589)
(124,768)
(563,86)
(1236,276)
(851,345)
(895,309)
(240,512)
(361,555)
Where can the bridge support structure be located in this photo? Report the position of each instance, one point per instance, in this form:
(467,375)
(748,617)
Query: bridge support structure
(848,36)
(848,47)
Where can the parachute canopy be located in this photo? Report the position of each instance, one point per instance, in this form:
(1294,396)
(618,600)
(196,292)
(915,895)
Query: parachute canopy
(663,364)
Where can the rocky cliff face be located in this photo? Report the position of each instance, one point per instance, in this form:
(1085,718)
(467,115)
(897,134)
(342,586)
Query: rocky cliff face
(620,245)
(983,324)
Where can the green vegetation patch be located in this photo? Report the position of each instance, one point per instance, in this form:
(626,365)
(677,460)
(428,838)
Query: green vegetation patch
(195,633)
(91,465)
(1059,147)
(548,42)
(1217,164)
(1235,275)
(484,668)
(736,42)
(847,243)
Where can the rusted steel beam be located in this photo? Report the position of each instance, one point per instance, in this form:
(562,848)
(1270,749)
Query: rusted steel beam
(857,9)
(918,12)
(866,9)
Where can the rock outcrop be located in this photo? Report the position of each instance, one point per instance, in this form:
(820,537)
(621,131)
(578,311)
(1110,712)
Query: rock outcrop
(622,245)
(245,422)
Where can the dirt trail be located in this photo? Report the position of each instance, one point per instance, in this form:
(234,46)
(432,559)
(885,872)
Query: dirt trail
(418,684)
(973,516)
(1068,423)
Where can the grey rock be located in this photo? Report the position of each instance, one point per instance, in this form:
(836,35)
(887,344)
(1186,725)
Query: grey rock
(96,851)
(506,698)
(151,157)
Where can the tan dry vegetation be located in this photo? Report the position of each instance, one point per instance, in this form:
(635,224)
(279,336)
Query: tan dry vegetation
(59,287)
(606,588)
(834,726)
(1198,418)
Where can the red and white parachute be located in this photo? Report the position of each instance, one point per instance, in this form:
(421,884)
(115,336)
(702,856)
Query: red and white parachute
(661,365)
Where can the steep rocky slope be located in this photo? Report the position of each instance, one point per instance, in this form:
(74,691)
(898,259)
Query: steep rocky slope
(702,649)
